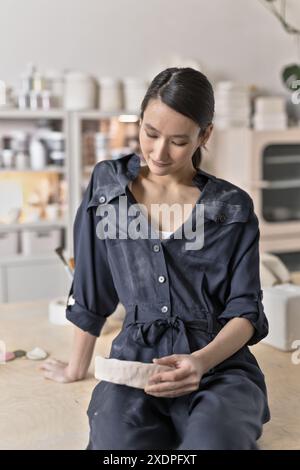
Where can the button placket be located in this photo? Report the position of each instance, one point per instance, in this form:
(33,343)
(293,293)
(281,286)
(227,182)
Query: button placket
(162,279)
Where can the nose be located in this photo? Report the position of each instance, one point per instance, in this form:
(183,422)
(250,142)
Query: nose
(160,152)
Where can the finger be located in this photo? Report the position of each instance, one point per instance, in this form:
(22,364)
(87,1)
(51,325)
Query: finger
(50,367)
(55,361)
(51,361)
(167,386)
(167,360)
(46,366)
(176,375)
(171,361)
(48,375)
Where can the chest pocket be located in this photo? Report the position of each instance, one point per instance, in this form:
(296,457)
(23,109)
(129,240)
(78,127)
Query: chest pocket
(216,215)
(223,214)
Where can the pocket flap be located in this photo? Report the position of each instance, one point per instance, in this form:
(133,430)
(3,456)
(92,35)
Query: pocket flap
(104,194)
(224,214)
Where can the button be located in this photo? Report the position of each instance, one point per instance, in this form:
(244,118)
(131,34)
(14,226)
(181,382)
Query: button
(221,218)
(156,248)
(102,199)
(164,309)
(96,413)
(161,279)
(71,300)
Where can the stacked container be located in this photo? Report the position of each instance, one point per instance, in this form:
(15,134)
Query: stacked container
(232,105)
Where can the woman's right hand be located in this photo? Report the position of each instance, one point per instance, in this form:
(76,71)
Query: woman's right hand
(80,359)
(58,371)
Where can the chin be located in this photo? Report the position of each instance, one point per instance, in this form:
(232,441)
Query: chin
(160,171)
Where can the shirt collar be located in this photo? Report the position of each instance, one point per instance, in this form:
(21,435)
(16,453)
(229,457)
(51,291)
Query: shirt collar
(128,168)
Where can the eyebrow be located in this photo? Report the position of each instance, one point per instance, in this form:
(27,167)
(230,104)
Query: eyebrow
(175,135)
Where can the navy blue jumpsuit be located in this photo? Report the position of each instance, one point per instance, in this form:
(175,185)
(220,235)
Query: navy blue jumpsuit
(201,291)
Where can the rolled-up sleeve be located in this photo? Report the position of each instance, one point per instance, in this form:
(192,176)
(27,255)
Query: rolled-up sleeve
(245,293)
(92,297)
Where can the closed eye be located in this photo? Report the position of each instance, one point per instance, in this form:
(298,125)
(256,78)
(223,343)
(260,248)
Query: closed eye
(151,136)
(155,137)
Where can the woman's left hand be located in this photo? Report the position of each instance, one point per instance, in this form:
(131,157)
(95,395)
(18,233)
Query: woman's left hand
(185,377)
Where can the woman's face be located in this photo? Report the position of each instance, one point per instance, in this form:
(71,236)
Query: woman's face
(168,139)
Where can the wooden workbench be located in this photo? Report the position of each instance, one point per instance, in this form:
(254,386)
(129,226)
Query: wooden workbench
(40,414)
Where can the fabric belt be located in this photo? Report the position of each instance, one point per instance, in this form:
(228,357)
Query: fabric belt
(148,333)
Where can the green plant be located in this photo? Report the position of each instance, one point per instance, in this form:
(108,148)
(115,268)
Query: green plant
(291,73)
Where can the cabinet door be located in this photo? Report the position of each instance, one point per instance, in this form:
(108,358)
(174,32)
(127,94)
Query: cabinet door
(40,280)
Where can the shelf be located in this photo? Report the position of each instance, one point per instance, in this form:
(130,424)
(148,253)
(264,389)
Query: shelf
(22,259)
(98,114)
(283,184)
(15,113)
(275,135)
(48,169)
(282,160)
(32,225)
(280,184)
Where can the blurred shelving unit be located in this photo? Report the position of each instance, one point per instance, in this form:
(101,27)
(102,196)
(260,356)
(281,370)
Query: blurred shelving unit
(90,136)
(266,164)
(29,266)
(96,136)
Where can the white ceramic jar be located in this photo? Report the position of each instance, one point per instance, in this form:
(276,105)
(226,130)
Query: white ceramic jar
(56,84)
(110,98)
(2,93)
(134,92)
(270,105)
(38,154)
(8,158)
(270,113)
(21,161)
(6,100)
(80,91)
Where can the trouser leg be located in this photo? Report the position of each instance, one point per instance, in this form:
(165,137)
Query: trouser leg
(127,418)
(225,415)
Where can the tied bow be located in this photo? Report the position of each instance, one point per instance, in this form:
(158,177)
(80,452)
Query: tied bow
(149,333)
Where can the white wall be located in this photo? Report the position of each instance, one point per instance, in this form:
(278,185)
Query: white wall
(237,39)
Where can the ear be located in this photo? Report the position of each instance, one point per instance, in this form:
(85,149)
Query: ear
(206,135)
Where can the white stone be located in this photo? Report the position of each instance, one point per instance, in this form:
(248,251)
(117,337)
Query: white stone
(36,354)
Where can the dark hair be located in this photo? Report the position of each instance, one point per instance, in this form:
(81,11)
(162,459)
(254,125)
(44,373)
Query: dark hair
(188,92)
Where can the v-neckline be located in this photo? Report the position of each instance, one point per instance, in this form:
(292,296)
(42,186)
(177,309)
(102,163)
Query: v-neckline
(190,217)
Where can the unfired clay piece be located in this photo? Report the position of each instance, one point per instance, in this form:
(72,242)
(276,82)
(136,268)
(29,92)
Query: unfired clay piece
(131,373)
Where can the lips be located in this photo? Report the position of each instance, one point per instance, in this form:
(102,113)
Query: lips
(160,164)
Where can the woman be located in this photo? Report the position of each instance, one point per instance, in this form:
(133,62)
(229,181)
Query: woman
(195,309)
